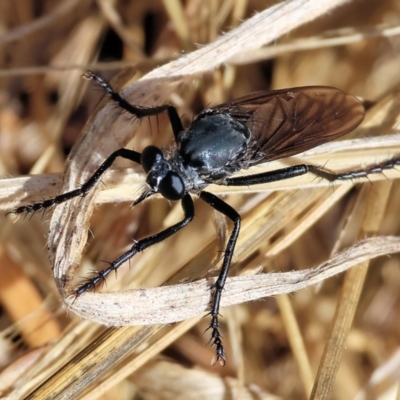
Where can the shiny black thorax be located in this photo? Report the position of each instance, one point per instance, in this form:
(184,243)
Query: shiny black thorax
(213,147)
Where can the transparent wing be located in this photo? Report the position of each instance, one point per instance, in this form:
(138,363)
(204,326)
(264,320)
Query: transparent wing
(289,121)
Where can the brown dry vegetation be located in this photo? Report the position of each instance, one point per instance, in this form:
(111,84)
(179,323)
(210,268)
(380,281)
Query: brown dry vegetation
(339,339)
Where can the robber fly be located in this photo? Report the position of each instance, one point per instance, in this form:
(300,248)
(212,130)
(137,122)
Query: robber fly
(221,141)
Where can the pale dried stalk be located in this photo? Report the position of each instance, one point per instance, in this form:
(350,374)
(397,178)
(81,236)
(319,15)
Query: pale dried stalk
(124,184)
(141,359)
(174,303)
(192,384)
(349,298)
(339,37)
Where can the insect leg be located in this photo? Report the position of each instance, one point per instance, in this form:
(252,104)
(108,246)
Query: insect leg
(271,176)
(124,153)
(297,170)
(137,111)
(188,208)
(371,169)
(232,214)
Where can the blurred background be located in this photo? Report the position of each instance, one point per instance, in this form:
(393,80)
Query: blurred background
(45,46)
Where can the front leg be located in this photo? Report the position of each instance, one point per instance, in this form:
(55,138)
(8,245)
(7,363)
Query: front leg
(232,214)
(188,208)
(86,187)
(137,111)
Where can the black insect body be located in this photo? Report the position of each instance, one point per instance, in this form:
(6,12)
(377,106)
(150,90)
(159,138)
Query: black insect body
(214,147)
(260,127)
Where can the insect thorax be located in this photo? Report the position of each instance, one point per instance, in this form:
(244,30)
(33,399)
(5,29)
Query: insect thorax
(211,149)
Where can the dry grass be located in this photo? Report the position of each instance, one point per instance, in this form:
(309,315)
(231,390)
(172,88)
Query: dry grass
(337,339)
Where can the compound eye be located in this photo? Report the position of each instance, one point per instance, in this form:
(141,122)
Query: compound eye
(151,155)
(171,186)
